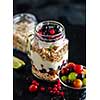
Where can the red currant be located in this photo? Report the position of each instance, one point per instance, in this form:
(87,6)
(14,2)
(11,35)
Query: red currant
(55,85)
(49,88)
(55,89)
(57,92)
(54,92)
(33,88)
(59,87)
(35,82)
(42,89)
(58,81)
(62,94)
(51,91)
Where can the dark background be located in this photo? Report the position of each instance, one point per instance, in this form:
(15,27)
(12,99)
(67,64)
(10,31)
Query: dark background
(72,14)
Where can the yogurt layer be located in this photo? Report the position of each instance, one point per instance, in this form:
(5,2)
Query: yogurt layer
(39,63)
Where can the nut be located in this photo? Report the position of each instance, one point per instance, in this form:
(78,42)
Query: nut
(43,50)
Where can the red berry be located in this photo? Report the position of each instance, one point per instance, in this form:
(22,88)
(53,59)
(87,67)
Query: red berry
(42,89)
(35,82)
(71,65)
(59,87)
(57,92)
(33,88)
(63,71)
(55,85)
(54,92)
(58,84)
(62,94)
(58,81)
(49,88)
(52,31)
(78,69)
(55,89)
(51,91)
(40,32)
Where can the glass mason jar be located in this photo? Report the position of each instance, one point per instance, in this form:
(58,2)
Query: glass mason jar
(49,50)
(23,28)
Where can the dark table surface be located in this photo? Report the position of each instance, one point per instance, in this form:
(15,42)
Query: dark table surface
(71,13)
(22,79)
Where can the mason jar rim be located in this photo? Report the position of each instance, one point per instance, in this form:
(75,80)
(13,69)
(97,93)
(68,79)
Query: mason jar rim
(18,16)
(50,21)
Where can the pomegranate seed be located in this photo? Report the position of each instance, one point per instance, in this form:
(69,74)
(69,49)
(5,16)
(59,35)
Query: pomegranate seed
(35,82)
(55,85)
(42,89)
(49,88)
(55,89)
(59,87)
(58,81)
(62,94)
(51,91)
(54,92)
(57,92)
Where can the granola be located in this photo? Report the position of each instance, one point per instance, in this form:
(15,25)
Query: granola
(51,76)
(50,54)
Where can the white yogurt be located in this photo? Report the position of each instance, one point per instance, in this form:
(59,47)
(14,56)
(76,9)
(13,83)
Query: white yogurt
(38,61)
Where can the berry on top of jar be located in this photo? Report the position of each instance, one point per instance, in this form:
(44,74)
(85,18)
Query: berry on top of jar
(50,29)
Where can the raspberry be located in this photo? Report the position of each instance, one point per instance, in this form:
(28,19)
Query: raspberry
(52,31)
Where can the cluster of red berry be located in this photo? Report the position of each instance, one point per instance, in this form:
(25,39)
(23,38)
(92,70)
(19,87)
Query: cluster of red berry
(56,89)
(34,87)
(53,90)
(49,29)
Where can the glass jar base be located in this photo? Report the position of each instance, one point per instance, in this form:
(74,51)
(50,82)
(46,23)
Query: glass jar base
(43,76)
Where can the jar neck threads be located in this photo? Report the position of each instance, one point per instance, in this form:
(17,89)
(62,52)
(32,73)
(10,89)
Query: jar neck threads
(50,31)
